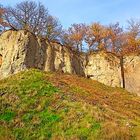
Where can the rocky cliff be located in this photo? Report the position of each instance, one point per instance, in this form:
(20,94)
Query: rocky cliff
(20,50)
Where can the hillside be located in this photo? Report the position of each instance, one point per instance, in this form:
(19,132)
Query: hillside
(42,105)
(21,50)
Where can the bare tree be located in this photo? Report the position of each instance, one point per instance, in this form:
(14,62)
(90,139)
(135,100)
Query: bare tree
(65,39)
(27,15)
(53,28)
(35,18)
(134,27)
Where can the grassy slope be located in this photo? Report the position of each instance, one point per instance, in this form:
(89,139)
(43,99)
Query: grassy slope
(37,105)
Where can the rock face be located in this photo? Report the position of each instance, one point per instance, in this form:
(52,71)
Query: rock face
(59,58)
(0,60)
(20,50)
(16,51)
(132,73)
(105,68)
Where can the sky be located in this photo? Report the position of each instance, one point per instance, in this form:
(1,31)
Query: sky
(89,11)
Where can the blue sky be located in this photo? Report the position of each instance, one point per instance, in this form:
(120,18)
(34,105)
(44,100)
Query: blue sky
(88,11)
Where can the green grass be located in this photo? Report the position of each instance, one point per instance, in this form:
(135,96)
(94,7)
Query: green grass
(7,116)
(38,105)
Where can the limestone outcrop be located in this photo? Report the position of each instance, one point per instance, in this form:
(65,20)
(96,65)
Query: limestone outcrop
(20,50)
(17,52)
(105,68)
(132,73)
(60,58)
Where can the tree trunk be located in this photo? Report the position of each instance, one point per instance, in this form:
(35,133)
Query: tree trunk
(122,71)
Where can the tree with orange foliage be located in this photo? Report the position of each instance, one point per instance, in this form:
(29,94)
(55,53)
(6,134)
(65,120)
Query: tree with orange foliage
(123,42)
(133,36)
(65,39)
(1,13)
(115,33)
(76,34)
(96,36)
(2,23)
